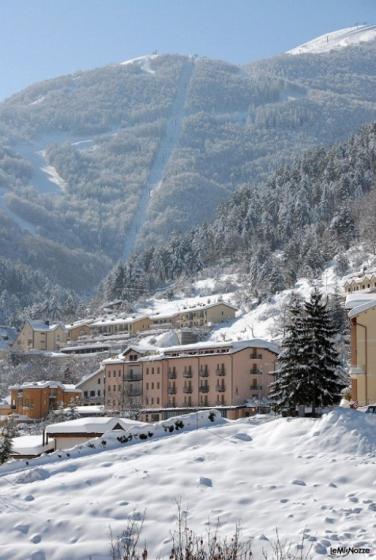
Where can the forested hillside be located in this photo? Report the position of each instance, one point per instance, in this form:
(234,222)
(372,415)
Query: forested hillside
(288,226)
(101,163)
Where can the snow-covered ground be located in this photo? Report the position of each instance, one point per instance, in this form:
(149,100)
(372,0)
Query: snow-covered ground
(346,37)
(144,62)
(315,476)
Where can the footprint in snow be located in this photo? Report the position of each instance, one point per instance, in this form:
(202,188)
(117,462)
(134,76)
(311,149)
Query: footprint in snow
(204,481)
(32,476)
(242,436)
(298,482)
(29,498)
(199,459)
(22,528)
(36,538)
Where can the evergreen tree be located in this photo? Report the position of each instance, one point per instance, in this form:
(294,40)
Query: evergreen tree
(325,379)
(5,443)
(309,369)
(289,388)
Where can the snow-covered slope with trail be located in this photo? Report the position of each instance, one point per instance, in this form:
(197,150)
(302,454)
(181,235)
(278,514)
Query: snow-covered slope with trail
(340,39)
(166,147)
(311,476)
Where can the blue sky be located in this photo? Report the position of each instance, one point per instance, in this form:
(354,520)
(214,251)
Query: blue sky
(41,39)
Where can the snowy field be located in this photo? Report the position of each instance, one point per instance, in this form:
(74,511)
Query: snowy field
(297,475)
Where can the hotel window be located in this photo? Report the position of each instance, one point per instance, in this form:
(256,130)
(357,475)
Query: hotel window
(158,385)
(152,400)
(99,381)
(147,371)
(147,386)
(158,370)
(146,401)
(157,400)
(152,371)
(152,385)
(109,374)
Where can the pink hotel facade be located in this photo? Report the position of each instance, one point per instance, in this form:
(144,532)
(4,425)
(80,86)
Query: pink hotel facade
(190,376)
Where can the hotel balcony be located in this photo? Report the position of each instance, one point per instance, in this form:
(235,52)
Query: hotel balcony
(172,390)
(220,372)
(133,377)
(187,374)
(134,392)
(172,374)
(204,388)
(204,373)
(187,389)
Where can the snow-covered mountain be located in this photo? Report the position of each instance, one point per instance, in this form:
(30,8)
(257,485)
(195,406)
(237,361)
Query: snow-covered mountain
(349,36)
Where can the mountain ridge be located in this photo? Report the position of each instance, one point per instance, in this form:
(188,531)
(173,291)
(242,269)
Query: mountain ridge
(99,134)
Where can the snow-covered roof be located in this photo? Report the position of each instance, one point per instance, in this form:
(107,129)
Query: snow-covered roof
(349,36)
(43,325)
(232,346)
(359,298)
(68,388)
(80,323)
(91,425)
(118,321)
(30,445)
(366,306)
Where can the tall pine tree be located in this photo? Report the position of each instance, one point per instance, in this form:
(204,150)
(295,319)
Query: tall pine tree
(289,387)
(326,378)
(309,370)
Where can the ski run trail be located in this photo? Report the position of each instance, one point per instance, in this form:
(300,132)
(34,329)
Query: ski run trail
(162,157)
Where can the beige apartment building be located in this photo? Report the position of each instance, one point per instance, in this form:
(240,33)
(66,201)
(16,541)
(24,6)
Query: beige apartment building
(78,329)
(363,353)
(37,399)
(361,304)
(126,325)
(191,376)
(40,335)
(198,316)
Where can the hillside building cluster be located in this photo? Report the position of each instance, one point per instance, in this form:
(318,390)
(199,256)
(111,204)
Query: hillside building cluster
(98,334)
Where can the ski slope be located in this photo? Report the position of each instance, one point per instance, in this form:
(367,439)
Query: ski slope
(315,476)
(340,39)
(161,159)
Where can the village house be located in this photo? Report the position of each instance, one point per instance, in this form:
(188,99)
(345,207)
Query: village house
(208,374)
(78,329)
(36,399)
(92,387)
(196,316)
(360,281)
(68,434)
(40,335)
(118,325)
